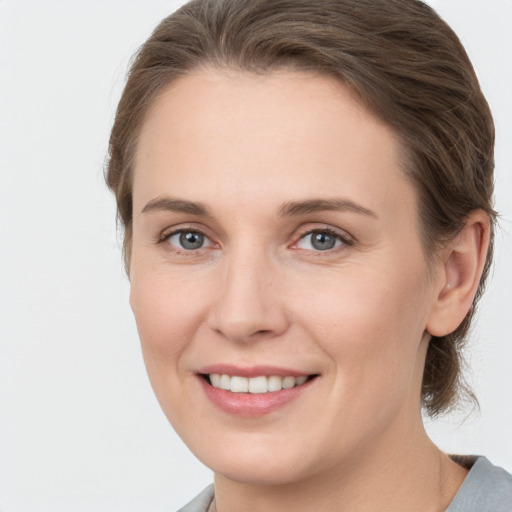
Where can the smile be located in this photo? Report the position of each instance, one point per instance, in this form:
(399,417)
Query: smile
(253,392)
(255,385)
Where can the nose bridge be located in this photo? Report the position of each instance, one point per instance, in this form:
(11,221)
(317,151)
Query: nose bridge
(247,303)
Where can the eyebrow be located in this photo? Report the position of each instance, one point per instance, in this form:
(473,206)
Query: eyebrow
(288,209)
(292,208)
(169,204)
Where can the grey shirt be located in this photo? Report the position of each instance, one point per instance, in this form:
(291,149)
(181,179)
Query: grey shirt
(487,488)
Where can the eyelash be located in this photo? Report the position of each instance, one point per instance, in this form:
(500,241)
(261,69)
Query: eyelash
(166,236)
(344,239)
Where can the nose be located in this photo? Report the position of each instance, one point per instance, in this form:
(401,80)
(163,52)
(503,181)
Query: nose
(248,304)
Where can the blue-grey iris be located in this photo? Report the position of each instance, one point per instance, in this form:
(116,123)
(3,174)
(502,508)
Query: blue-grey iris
(322,241)
(191,240)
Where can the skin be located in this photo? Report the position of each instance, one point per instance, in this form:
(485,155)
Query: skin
(359,315)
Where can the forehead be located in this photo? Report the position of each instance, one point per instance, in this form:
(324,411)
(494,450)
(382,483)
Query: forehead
(242,136)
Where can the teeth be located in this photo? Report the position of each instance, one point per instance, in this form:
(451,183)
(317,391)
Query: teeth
(288,382)
(255,385)
(239,385)
(215,380)
(300,380)
(225,382)
(274,383)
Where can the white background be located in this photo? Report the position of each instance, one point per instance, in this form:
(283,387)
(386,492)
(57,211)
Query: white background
(80,429)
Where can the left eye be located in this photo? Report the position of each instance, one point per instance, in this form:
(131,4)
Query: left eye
(320,241)
(189,240)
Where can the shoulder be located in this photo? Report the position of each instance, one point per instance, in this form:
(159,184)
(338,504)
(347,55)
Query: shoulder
(201,503)
(487,488)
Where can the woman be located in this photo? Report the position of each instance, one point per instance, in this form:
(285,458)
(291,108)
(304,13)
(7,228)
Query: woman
(306,192)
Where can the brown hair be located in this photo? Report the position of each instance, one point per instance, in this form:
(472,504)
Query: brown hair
(406,65)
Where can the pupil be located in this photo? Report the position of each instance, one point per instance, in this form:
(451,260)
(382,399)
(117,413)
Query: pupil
(191,240)
(323,241)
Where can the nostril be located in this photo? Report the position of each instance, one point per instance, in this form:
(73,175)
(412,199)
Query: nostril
(262,332)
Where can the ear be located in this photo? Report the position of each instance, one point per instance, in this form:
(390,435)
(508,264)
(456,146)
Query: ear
(459,273)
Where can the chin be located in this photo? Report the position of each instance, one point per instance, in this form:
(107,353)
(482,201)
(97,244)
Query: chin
(259,461)
(266,472)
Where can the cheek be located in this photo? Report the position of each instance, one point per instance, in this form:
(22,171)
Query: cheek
(370,324)
(168,309)
(370,302)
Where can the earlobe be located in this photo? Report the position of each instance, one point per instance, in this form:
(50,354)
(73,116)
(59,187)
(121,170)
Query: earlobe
(461,269)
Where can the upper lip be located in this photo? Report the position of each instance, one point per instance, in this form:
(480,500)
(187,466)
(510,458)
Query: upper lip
(252,371)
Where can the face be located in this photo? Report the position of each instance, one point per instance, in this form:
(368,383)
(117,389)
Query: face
(277,277)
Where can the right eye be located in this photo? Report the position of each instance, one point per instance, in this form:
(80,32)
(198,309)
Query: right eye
(188,240)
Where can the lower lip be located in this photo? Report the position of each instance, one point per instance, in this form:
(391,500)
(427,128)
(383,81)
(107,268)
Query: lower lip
(252,405)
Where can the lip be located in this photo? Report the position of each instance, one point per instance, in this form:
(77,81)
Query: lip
(250,405)
(252,371)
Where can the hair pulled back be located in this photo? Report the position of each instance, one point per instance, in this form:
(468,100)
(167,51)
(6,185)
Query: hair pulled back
(403,62)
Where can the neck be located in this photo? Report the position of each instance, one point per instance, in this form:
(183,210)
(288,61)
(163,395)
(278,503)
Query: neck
(414,475)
